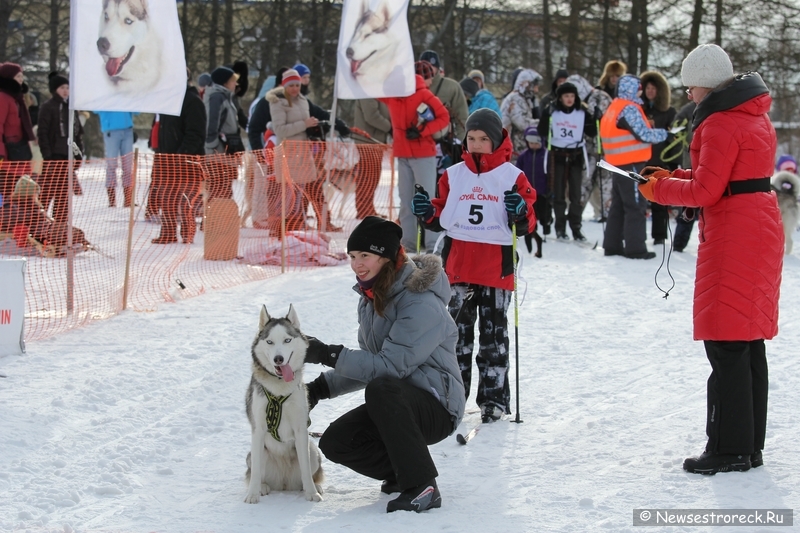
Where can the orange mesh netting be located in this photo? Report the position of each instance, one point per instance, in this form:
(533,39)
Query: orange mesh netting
(217,221)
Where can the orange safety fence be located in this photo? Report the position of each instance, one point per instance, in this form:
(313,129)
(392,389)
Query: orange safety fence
(154,228)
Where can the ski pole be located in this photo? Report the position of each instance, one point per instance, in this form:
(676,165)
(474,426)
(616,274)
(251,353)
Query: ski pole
(517,420)
(419,188)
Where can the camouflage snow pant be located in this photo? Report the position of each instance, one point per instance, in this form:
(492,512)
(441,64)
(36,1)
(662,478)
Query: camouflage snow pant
(467,304)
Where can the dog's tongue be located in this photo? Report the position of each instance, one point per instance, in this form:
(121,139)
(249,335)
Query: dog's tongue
(354,66)
(287,373)
(112,65)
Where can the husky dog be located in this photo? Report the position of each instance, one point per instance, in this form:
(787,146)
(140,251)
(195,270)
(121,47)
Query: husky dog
(787,187)
(130,48)
(372,47)
(281,455)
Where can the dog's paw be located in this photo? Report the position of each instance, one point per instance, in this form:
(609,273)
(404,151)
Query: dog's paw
(264,489)
(252,498)
(313,496)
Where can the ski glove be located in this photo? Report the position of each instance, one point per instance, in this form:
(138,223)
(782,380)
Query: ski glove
(317,390)
(413,133)
(421,205)
(515,205)
(321,353)
(648,190)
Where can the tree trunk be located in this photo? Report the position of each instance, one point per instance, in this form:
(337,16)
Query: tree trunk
(212,35)
(633,37)
(644,38)
(53,41)
(6,9)
(606,24)
(227,37)
(548,56)
(718,24)
(697,20)
(573,61)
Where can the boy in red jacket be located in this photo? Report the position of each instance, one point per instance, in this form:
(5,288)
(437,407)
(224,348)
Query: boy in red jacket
(478,203)
(415,148)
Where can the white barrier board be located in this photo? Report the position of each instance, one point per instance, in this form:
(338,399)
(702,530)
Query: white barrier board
(12,306)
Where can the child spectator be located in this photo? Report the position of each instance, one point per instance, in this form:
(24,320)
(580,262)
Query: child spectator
(563,125)
(531,162)
(479,200)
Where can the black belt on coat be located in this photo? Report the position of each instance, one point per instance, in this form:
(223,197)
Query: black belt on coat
(746,186)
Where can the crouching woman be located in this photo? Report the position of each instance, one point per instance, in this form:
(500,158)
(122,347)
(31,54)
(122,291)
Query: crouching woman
(406,362)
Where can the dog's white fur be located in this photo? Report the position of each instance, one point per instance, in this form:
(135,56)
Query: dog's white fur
(127,36)
(372,47)
(787,187)
(294,462)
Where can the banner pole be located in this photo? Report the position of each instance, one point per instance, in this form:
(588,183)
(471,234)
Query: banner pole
(126,285)
(70,183)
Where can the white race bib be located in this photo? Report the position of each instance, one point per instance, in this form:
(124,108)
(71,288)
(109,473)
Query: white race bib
(566,129)
(475,210)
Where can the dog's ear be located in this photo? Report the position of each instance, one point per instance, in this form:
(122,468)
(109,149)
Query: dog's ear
(291,316)
(385,14)
(263,318)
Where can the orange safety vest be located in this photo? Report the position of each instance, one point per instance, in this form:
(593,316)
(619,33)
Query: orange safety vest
(620,147)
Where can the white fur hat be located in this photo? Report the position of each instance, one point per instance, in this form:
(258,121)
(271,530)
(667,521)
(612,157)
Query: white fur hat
(706,66)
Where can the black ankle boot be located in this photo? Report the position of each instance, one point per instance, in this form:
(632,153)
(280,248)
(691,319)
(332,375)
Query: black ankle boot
(418,499)
(711,463)
(390,486)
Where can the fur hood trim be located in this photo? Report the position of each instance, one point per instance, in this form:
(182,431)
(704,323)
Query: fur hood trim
(663,96)
(273,95)
(11,87)
(785,176)
(427,270)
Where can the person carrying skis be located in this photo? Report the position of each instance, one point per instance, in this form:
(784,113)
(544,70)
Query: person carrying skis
(478,203)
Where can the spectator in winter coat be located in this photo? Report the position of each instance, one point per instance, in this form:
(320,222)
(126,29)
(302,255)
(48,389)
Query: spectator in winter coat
(415,150)
(596,186)
(531,163)
(740,255)
(627,143)
(16,129)
(406,363)
(517,109)
(563,126)
(53,133)
(560,77)
(260,116)
(449,92)
(222,135)
(482,98)
(656,104)
(479,203)
(177,168)
(612,72)
(373,118)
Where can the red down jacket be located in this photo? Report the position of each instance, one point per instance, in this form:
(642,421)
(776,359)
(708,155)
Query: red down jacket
(740,256)
(403,111)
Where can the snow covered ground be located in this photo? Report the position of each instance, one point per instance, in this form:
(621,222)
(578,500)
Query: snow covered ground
(137,424)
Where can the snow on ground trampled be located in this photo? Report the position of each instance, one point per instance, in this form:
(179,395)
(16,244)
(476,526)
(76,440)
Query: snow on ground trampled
(137,424)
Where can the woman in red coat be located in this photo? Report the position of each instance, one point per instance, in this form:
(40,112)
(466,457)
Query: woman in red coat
(16,130)
(740,256)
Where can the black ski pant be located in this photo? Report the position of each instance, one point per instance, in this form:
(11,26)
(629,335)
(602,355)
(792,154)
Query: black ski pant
(388,436)
(567,180)
(683,231)
(736,421)
(626,228)
(467,304)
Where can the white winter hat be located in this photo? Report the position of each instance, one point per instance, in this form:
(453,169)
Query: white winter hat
(706,66)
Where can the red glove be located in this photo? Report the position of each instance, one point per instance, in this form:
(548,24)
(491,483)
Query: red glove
(648,189)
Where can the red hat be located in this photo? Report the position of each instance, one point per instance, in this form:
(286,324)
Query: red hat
(9,70)
(290,76)
(424,69)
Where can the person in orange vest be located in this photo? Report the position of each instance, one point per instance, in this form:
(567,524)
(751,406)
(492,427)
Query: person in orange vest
(627,143)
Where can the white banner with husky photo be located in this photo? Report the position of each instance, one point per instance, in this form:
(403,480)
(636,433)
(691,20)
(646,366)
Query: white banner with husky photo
(126,55)
(375,58)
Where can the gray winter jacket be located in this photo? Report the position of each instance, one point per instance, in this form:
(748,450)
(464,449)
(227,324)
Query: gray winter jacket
(221,114)
(414,340)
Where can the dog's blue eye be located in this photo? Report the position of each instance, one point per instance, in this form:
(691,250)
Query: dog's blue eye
(287,341)
(128,21)
(269,341)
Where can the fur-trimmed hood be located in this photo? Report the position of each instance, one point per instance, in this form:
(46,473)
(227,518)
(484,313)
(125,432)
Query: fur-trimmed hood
(426,274)
(277,94)
(663,96)
(10,86)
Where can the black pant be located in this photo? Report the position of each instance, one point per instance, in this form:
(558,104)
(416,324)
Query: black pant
(683,231)
(567,178)
(388,436)
(737,396)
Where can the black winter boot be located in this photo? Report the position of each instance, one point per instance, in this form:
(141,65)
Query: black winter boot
(390,486)
(418,499)
(711,463)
